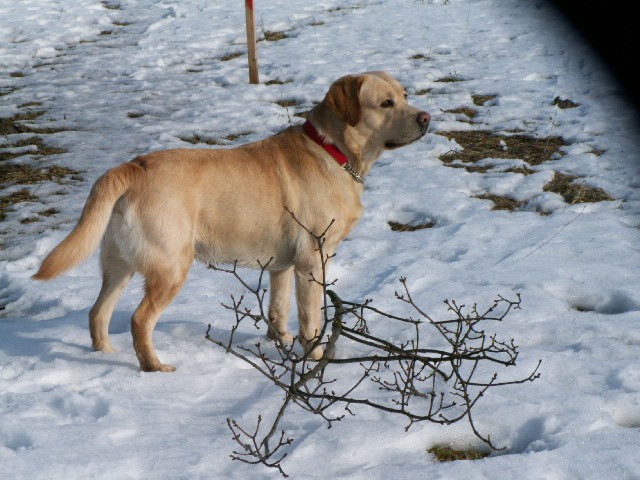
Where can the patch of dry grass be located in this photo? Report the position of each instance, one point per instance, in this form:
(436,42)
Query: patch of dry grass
(274,36)
(451,78)
(20,196)
(286,103)
(15,124)
(471,167)
(481,144)
(564,103)
(110,5)
(346,7)
(49,212)
(38,217)
(502,203)
(574,191)
(26,174)
(480,100)
(409,227)
(41,149)
(232,137)
(448,454)
(196,139)
(521,169)
(231,56)
(277,82)
(468,111)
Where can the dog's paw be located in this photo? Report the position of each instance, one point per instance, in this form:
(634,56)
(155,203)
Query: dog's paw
(104,348)
(161,367)
(316,353)
(286,337)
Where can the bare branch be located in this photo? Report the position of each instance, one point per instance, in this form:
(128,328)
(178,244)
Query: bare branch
(438,384)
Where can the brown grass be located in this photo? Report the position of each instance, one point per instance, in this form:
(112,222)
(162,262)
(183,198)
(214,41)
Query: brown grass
(576,192)
(502,203)
(110,5)
(564,104)
(7,201)
(49,212)
(231,56)
(9,126)
(38,217)
(30,104)
(15,124)
(481,144)
(471,167)
(468,111)
(234,136)
(287,103)
(274,36)
(448,454)
(7,90)
(408,227)
(196,139)
(522,169)
(41,149)
(276,82)
(450,79)
(347,7)
(480,100)
(25,174)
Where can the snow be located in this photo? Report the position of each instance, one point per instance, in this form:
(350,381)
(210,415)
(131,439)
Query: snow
(159,77)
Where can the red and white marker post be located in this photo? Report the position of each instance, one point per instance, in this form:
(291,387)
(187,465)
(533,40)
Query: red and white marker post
(251,42)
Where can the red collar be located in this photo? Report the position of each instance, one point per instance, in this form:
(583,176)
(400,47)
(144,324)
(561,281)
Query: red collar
(331,149)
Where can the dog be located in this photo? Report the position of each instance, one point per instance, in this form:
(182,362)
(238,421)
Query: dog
(157,213)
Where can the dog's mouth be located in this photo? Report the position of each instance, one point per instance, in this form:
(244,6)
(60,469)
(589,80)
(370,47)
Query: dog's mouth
(394,145)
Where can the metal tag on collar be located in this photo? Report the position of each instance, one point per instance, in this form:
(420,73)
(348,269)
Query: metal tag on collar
(353,173)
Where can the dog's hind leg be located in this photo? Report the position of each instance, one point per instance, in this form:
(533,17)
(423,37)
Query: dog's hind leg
(116,273)
(280,303)
(162,284)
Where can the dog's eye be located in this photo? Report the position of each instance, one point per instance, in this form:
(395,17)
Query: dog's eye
(387,104)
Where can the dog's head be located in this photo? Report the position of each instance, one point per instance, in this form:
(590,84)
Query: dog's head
(374,106)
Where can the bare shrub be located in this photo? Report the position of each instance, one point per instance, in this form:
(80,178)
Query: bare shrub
(439,383)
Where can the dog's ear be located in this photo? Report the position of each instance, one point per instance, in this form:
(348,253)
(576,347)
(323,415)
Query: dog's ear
(343,98)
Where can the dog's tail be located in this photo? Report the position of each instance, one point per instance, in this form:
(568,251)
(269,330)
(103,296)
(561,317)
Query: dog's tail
(93,222)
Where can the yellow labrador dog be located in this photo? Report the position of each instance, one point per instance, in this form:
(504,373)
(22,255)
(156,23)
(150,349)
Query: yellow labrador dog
(156,214)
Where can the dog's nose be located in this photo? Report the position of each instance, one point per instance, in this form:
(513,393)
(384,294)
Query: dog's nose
(424,118)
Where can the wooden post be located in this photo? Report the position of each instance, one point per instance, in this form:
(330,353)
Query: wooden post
(251,42)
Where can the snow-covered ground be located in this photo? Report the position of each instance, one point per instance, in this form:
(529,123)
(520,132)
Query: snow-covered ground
(122,77)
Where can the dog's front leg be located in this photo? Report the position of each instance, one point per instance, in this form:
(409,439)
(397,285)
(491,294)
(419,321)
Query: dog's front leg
(279,304)
(309,294)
